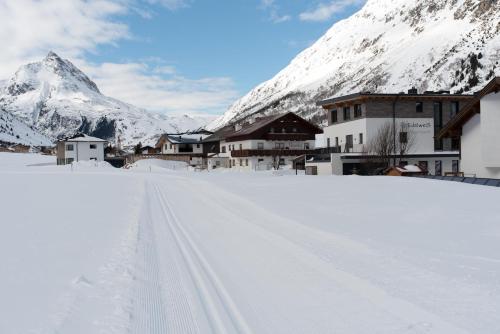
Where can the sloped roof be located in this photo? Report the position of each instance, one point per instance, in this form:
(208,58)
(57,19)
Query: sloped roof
(84,138)
(262,122)
(469,109)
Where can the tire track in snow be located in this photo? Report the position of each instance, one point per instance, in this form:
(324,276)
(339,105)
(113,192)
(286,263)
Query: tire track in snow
(220,310)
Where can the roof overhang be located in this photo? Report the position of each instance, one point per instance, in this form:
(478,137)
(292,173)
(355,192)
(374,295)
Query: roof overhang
(454,127)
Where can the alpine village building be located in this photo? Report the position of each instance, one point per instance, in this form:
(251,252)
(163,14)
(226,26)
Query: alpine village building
(355,121)
(262,143)
(477,126)
(80,147)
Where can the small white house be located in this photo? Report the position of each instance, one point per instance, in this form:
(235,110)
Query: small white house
(478,127)
(80,148)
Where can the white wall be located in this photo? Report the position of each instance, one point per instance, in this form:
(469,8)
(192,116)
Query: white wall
(83,152)
(423,128)
(490,130)
(472,149)
(341,130)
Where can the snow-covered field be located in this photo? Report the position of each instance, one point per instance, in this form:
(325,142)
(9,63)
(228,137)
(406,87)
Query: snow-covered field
(101,250)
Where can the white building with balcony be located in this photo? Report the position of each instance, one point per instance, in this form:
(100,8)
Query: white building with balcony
(411,121)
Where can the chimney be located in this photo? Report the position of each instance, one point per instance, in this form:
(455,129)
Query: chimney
(413,91)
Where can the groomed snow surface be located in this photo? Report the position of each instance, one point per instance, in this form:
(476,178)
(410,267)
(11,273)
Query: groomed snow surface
(164,250)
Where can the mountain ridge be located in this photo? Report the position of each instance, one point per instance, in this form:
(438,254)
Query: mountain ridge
(58,99)
(384,47)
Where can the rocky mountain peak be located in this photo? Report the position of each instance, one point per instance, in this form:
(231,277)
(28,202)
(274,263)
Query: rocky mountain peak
(387,46)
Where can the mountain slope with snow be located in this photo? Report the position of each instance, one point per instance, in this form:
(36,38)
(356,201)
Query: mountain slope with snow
(58,99)
(388,46)
(14,131)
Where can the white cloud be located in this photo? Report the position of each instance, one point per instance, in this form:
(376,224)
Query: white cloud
(273,9)
(29,28)
(170,4)
(73,28)
(159,88)
(325,11)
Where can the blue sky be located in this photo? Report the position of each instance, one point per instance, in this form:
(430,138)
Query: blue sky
(193,56)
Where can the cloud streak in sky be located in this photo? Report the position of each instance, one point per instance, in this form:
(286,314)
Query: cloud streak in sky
(326,10)
(74,28)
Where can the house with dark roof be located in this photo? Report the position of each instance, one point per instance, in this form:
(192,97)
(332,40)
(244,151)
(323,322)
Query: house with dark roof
(264,143)
(357,121)
(477,128)
(187,145)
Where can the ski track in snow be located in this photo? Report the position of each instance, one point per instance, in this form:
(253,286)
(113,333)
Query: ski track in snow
(179,290)
(197,255)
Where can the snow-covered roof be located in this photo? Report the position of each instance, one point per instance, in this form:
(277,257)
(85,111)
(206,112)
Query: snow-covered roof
(84,138)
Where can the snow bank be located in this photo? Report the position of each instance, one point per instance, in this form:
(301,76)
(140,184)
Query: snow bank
(13,161)
(158,165)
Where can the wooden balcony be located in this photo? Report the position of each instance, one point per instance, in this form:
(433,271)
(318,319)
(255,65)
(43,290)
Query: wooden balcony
(289,136)
(268,153)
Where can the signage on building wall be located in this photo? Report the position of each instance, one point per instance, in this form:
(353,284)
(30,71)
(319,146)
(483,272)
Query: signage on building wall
(418,125)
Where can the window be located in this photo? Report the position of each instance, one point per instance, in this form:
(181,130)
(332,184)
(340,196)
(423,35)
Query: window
(241,162)
(223,149)
(217,163)
(241,147)
(357,110)
(95,159)
(360,138)
(336,141)
(279,146)
(246,162)
(454,108)
(197,145)
(69,160)
(260,146)
(419,107)
(348,142)
(93,146)
(403,137)
(306,146)
(347,113)
(455,166)
(334,116)
(438,168)
(424,165)
(327,142)
(260,160)
(282,162)
(70,147)
(438,124)
(171,146)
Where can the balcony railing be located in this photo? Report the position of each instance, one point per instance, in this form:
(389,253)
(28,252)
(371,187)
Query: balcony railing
(268,153)
(290,136)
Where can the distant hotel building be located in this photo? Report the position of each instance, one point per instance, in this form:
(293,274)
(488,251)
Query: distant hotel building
(354,121)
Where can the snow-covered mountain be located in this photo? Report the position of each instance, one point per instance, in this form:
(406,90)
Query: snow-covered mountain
(58,99)
(14,131)
(388,46)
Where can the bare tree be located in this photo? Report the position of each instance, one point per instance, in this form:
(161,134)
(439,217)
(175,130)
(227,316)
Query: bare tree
(276,159)
(382,145)
(406,141)
(387,144)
